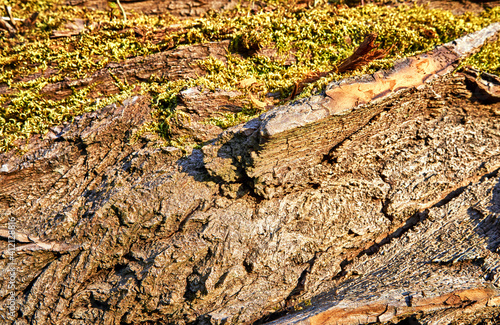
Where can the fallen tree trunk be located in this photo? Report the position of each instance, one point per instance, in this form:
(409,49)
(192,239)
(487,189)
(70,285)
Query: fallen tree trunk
(168,65)
(174,7)
(379,212)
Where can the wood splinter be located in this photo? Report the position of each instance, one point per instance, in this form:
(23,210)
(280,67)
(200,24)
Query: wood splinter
(29,243)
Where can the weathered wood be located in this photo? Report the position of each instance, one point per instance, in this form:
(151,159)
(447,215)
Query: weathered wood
(173,64)
(174,7)
(300,134)
(445,267)
(114,229)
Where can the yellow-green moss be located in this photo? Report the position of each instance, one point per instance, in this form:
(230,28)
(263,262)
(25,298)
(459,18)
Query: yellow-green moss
(488,59)
(23,111)
(320,36)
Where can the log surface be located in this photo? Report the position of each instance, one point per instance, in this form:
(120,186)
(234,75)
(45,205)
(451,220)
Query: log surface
(394,219)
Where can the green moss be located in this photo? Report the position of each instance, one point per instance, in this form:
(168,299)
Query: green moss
(38,114)
(227,120)
(23,111)
(488,59)
(320,36)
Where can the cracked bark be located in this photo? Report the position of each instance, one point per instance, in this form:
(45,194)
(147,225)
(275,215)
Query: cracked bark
(396,220)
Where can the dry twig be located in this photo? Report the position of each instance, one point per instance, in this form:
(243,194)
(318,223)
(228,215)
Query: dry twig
(123,10)
(8,9)
(6,26)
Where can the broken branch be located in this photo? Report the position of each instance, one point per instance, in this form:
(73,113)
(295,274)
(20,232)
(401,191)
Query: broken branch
(8,9)
(364,54)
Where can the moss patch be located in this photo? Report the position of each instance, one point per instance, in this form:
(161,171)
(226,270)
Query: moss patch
(320,37)
(488,59)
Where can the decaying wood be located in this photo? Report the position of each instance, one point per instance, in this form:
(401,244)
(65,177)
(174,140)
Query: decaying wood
(168,65)
(328,119)
(178,8)
(382,212)
(201,105)
(364,54)
(454,245)
(485,85)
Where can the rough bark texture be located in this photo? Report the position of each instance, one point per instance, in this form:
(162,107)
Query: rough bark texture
(179,8)
(394,217)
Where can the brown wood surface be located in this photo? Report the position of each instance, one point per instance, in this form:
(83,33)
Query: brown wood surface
(386,212)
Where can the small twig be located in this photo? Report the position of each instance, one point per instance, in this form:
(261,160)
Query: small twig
(16,19)
(8,9)
(123,10)
(6,26)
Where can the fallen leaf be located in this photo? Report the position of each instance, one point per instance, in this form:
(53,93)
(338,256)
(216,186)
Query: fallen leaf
(31,20)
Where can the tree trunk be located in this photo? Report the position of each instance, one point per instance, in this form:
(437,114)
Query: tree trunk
(342,208)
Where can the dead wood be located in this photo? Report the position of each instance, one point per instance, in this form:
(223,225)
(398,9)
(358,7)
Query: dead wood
(191,8)
(364,54)
(146,214)
(486,87)
(380,205)
(168,65)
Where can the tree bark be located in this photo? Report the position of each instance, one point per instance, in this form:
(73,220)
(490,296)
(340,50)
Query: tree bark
(190,8)
(382,209)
